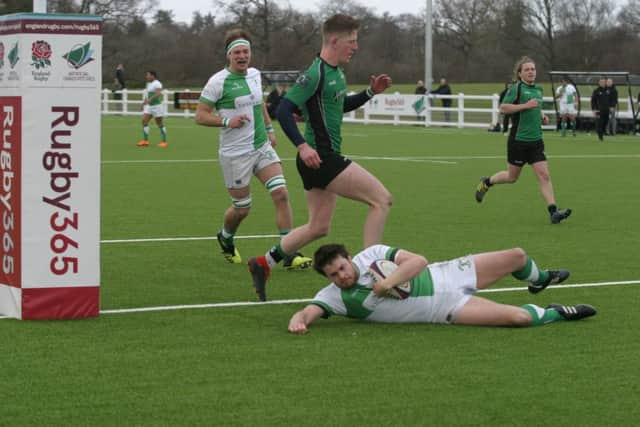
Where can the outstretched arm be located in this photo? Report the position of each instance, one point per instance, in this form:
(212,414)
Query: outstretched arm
(377,84)
(303,318)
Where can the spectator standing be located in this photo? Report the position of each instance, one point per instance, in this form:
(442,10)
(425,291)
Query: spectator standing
(600,104)
(445,89)
(613,107)
(420,90)
(119,80)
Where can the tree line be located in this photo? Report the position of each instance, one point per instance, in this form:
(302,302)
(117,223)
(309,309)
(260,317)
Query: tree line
(473,40)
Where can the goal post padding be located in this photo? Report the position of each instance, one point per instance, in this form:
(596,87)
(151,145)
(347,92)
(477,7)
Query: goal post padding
(50,78)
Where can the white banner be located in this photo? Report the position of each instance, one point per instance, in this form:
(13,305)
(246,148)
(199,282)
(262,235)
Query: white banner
(397,104)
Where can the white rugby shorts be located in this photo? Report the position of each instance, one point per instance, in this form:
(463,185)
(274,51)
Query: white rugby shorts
(238,170)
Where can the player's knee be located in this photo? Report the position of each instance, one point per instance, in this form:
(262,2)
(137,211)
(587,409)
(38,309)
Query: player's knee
(519,256)
(383,201)
(280,195)
(318,231)
(241,213)
(544,177)
(241,206)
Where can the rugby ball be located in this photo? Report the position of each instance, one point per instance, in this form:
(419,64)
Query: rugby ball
(380,269)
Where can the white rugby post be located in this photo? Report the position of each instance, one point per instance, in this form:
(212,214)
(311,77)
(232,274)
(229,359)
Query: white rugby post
(50,80)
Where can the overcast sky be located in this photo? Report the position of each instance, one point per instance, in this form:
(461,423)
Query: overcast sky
(183,9)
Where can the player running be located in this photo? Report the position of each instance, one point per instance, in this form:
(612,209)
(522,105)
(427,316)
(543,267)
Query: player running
(232,100)
(321,95)
(525,144)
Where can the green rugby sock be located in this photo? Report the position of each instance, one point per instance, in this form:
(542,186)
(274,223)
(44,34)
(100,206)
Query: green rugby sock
(531,273)
(541,316)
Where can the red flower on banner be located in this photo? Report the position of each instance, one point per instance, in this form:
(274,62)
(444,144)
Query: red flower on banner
(40,53)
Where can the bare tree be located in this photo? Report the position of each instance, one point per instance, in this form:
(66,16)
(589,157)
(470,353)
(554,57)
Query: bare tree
(462,23)
(630,15)
(261,18)
(544,15)
(585,26)
(120,12)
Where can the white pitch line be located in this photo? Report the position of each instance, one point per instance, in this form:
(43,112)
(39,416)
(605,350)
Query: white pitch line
(434,159)
(298,301)
(182,239)
(404,159)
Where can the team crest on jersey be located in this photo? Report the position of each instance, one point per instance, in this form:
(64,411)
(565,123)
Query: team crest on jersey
(302,81)
(339,95)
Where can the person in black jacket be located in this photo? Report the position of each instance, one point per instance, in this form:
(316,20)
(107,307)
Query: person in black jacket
(505,117)
(613,107)
(600,104)
(273,100)
(119,78)
(444,89)
(420,89)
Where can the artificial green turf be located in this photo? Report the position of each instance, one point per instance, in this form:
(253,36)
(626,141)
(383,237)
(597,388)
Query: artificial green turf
(239,366)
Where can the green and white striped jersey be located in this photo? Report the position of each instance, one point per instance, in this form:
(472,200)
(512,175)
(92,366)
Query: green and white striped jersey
(566,94)
(151,89)
(232,94)
(360,302)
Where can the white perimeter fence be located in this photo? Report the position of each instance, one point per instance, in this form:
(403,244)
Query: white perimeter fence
(397,109)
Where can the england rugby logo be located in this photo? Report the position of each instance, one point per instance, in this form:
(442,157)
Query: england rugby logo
(41,54)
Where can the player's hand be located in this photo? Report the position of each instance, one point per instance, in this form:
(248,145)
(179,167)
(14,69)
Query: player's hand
(532,103)
(238,121)
(379,83)
(381,289)
(298,118)
(272,138)
(309,156)
(297,327)
(545,120)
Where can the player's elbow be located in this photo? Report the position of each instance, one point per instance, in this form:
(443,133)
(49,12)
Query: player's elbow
(200,118)
(422,262)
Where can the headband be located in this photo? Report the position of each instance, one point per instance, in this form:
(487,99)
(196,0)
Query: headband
(236,43)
